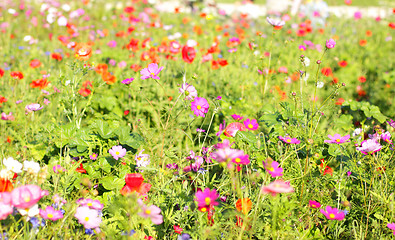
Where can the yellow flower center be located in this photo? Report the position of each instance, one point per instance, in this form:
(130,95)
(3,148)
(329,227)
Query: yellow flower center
(250,126)
(337,140)
(117,153)
(86,219)
(199,107)
(203,209)
(331,215)
(288,140)
(237,160)
(271,169)
(27,199)
(152,73)
(49,215)
(207,200)
(89,204)
(148,211)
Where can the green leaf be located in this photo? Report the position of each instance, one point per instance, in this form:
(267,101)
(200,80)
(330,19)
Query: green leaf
(112,183)
(334,150)
(376,113)
(246,136)
(103,129)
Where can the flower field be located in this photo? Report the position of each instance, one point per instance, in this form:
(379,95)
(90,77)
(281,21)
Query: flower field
(120,121)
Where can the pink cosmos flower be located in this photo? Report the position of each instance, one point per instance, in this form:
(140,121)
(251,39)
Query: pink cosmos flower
(389,225)
(251,124)
(243,159)
(237,117)
(314,204)
(357,15)
(369,146)
(233,128)
(221,129)
(58,169)
(189,91)
(27,196)
(112,44)
(33,107)
(207,197)
(93,156)
(51,213)
(337,139)
(200,107)
(278,186)
(117,152)
(88,217)
(289,140)
(332,213)
(330,43)
(152,212)
(151,71)
(226,154)
(127,81)
(386,137)
(5,210)
(275,22)
(93,204)
(8,117)
(273,169)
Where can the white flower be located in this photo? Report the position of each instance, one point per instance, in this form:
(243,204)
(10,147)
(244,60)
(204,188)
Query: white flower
(320,84)
(43,7)
(6,174)
(62,21)
(66,7)
(306,61)
(31,167)
(30,212)
(27,38)
(12,165)
(191,43)
(11,11)
(50,18)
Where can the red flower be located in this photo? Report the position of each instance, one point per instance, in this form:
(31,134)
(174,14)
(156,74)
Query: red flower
(328,170)
(177,229)
(3,99)
(135,67)
(39,83)
(340,101)
(326,71)
(222,62)
(5,185)
(126,112)
(80,169)
(56,56)
(188,54)
(1,72)
(84,92)
(16,75)
(35,63)
(391,25)
(362,42)
(134,183)
(214,64)
(362,79)
(342,63)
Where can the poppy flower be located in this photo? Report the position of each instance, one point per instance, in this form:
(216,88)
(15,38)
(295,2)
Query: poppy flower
(83,51)
(101,68)
(244,205)
(134,183)
(5,185)
(56,56)
(1,72)
(327,170)
(16,75)
(362,42)
(188,54)
(39,83)
(342,63)
(108,78)
(326,71)
(80,169)
(340,101)
(362,79)
(35,63)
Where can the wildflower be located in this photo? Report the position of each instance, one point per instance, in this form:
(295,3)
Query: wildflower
(93,156)
(8,117)
(117,152)
(226,154)
(177,229)
(83,51)
(188,54)
(16,75)
(386,137)
(5,185)
(189,91)
(12,165)
(31,167)
(33,107)
(199,130)
(244,205)
(243,159)
(172,166)
(88,217)
(108,78)
(152,212)
(127,81)
(29,211)
(5,210)
(233,128)
(275,22)
(237,117)
(93,204)
(327,170)
(142,160)
(151,71)
(278,186)
(389,225)
(289,140)
(391,123)
(134,183)
(342,63)
(58,169)
(333,213)
(369,146)
(200,106)
(221,129)
(26,196)
(35,63)
(206,199)
(251,124)
(184,236)
(330,43)
(273,169)
(337,139)
(51,213)
(314,204)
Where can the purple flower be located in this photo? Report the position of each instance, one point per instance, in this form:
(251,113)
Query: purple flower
(200,130)
(251,124)
(386,137)
(189,91)
(273,169)
(226,154)
(289,140)
(237,117)
(391,123)
(200,107)
(330,43)
(151,71)
(142,160)
(172,166)
(337,139)
(33,107)
(333,213)
(369,146)
(117,152)
(127,81)
(275,22)
(391,226)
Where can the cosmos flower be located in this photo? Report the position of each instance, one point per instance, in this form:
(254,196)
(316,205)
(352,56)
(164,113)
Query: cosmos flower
(275,22)
(151,71)
(51,214)
(200,106)
(117,152)
(369,146)
(278,186)
(152,212)
(206,198)
(314,204)
(337,139)
(289,140)
(332,213)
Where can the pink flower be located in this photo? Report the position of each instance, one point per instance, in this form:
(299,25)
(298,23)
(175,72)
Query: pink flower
(5,210)
(226,154)
(189,91)
(283,69)
(237,117)
(27,196)
(112,44)
(289,140)
(152,212)
(207,198)
(8,117)
(127,81)
(314,204)
(33,107)
(51,213)
(369,146)
(58,169)
(93,204)
(233,128)
(357,15)
(117,152)
(278,186)
(275,22)
(251,124)
(330,43)
(243,159)
(273,169)
(333,213)
(151,71)
(386,137)
(88,217)
(337,139)
(200,107)
(389,225)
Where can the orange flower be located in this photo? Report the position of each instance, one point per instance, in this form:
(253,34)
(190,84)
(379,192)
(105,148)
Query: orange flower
(340,101)
(108,78)
(56,56)
(83,51)
(35,63)
(362,42)
(39,83)
(362,79)
(5,185)
(342,63)
(244,205)
(101,68)
(368,33)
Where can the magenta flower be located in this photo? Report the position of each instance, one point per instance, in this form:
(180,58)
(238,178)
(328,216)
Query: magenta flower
(152,212)
(251,124)
(93,156)
(200,107)
(226,154)
(314,204)
(237,117)
(389,225)
(189,91)
(51,214)
(330,43)
(151,71)
(8,117)
(117,152)
(243,159)
(27,196)
(369,146)
(88,217)
(289,140)
(386,137)
(58,169)
(391,123)
(207,198)
(333,213)
(278,186)
(273,169)
(337,139)
(127,81)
